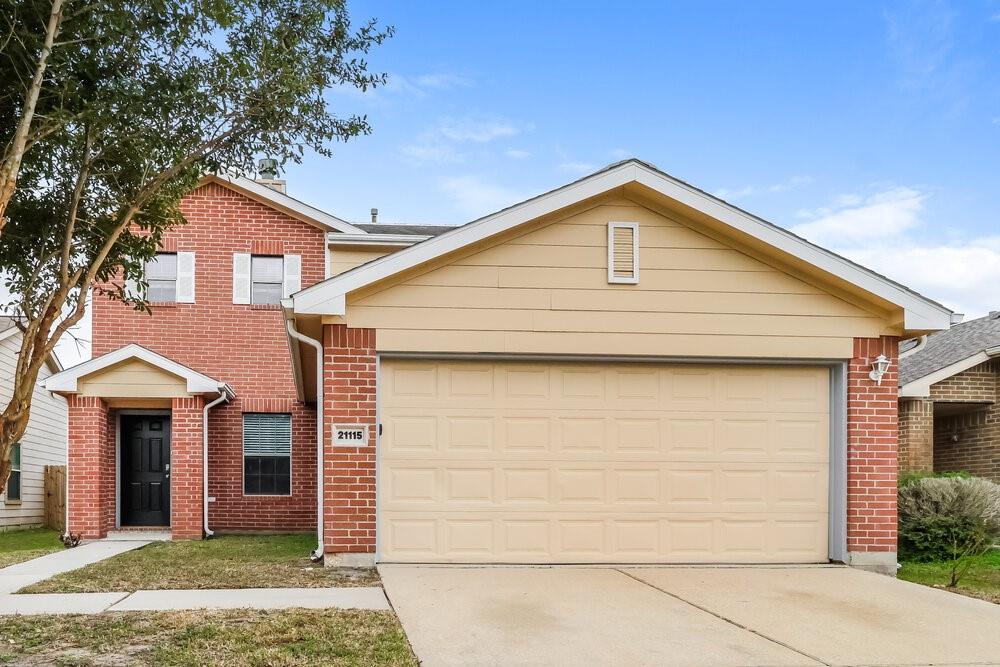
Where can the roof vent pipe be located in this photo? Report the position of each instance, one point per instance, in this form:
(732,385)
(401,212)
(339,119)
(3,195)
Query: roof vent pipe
(374,216)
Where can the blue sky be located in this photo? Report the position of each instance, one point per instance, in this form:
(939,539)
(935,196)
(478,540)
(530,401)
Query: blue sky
(872,128)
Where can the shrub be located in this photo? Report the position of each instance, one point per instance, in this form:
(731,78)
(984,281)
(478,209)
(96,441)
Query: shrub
(952,519)
(907,478)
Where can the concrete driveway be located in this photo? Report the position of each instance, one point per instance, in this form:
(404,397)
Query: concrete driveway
(685,616)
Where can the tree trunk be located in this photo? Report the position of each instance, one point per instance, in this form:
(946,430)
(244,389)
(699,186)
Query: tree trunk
(12,429)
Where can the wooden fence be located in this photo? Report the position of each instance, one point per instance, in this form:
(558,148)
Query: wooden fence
(55,497)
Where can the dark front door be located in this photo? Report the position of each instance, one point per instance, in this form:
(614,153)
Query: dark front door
(145,466)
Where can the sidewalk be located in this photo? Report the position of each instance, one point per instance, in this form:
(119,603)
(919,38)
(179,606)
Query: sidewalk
(18,576)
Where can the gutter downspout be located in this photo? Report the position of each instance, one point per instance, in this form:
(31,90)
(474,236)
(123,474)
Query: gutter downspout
(223,396)
(317,555)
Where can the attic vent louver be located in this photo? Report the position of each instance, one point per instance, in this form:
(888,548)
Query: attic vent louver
(623,252)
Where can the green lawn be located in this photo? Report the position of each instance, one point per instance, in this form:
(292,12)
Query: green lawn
(17,546)
(230,561)
(224,638)
(981,581)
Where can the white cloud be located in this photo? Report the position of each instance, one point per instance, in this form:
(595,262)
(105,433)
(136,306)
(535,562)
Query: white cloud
(995,18)
(427,151)
(475,130)
(620,154)
(886,233)
(516,154)
(577,167)
(775,188)
(441,143)
(442,81)
(852,220)
(473,196)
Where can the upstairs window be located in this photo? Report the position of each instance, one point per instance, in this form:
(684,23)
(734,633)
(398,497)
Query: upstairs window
(265,279)
(170,277)
(623,252)
(161,275)
(14,481)
(267,276)
(267,454)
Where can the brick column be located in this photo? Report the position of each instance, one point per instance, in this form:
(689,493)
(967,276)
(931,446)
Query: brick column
(186,490)
(872,432)
(91,467)
(916,435)
(349,472)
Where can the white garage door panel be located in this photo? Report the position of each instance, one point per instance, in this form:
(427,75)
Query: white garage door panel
(517,462)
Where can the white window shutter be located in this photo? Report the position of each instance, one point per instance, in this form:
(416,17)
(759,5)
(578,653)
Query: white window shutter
(241,277)
(185,277)
(293,275)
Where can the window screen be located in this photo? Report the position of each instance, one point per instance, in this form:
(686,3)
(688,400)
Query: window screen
(267,276)
(267,453)
(14,481)
(161,274)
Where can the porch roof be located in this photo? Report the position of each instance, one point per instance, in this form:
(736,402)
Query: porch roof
(165,375)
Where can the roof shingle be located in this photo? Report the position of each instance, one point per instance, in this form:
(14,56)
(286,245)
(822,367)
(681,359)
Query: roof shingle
(947,347)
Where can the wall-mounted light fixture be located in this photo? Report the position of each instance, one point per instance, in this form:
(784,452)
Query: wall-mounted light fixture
(879,367)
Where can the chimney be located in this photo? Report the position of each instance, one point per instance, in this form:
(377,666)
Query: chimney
(267,170)
(374,216)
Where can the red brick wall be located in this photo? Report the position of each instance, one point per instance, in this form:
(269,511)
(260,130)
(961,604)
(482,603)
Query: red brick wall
(872,448)
(977,448)
(186,457)
(349,473)
(240,344)
(91,458)
(975,385)
(916,435)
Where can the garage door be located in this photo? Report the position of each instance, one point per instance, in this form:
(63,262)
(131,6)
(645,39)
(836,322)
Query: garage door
(584,463)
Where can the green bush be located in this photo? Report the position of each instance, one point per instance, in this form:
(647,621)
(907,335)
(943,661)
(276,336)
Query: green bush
(953,519)
(907,478)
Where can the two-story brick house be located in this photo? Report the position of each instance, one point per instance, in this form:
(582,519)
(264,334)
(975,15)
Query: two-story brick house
(624,369)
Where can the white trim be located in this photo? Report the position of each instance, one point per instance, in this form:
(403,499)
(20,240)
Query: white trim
(327,297)
(921,387)
(340,239)
(623,280)
(197,383)
(284,203)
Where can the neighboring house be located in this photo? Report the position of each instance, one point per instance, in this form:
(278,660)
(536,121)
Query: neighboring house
(625,369)
(948,400)
(22,502)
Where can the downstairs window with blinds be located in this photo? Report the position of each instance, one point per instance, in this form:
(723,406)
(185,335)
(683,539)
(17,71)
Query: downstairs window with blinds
(267,454)
(623,252)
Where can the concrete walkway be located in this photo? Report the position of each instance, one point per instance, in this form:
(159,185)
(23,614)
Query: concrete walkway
(18,576)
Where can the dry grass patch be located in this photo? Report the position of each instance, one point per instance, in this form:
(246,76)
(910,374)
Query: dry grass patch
(230,561)
(17,546)
(224,639)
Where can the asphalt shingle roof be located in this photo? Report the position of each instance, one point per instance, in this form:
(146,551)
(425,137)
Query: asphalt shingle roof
(422,230)
(947,347)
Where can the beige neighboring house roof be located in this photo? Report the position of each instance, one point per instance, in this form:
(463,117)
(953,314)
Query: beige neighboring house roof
(919,314)
(196,383)
(8,328)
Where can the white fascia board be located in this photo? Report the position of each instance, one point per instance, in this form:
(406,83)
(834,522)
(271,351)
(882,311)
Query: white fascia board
(919,313)
(7,333)
(197,383)
(921,387)
(281,200)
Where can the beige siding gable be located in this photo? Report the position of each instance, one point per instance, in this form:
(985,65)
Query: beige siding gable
(133,379)
(546,290)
